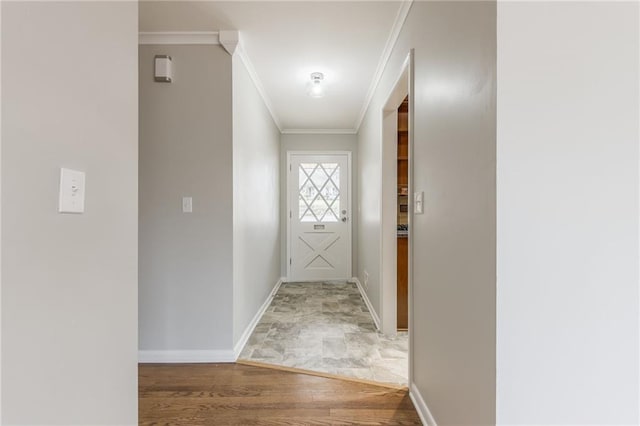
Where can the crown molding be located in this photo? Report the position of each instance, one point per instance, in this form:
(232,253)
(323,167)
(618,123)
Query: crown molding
(229,40)
(179,37)
(319,131)
(401,17)
(240,52)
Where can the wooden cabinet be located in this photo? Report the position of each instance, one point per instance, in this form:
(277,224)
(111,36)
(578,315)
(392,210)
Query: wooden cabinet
(403,145)
(403,246)
(403,284)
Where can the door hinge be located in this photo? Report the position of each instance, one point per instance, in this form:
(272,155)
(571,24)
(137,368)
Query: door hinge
(289,261)
(289,167)
(289,214)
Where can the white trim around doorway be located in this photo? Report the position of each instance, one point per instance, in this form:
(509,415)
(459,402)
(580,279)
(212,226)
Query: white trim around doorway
(388,190)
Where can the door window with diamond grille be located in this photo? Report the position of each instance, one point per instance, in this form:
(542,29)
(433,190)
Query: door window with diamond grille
(320,230)
(319,193)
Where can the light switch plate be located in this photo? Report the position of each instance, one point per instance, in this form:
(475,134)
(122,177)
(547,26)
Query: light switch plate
(187,205)
(163,72)
(418,202)
(72,185)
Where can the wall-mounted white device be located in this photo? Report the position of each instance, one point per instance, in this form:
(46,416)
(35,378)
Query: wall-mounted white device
(163,72)
(418,202)
(72,184)
(187,205)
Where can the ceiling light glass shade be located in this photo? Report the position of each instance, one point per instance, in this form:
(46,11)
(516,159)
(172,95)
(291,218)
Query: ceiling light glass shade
(316,90)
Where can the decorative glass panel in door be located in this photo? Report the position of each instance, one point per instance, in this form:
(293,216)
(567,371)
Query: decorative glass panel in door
(319,192)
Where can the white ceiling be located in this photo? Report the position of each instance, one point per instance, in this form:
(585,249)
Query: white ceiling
(287,41)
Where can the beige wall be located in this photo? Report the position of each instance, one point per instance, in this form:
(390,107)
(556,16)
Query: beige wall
(256,198)
(0,213)
(453,319)
(186,294)
(69,282)
(204,275)
(318,142)
(568,121)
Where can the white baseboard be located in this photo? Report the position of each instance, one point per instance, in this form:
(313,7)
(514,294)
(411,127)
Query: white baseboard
(374,314)
(204,356)
(194,356)
(421,407)
(239,346)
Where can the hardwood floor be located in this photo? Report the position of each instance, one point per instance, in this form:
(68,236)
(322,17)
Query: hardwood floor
(234,394)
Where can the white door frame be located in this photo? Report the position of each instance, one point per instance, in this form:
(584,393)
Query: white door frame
(350,213)
(388,190)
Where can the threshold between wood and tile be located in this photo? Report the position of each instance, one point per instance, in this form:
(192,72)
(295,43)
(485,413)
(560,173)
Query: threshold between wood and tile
(321,374)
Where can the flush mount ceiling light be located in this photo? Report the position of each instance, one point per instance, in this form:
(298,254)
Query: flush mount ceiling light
(315,88)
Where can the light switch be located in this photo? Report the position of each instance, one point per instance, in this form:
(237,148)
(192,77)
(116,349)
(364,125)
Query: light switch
(163,73)
(187,205)
(72,184)
(418,202)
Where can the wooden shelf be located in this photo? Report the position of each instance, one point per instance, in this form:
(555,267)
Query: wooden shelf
(403,180)
(403,145)
(402,289)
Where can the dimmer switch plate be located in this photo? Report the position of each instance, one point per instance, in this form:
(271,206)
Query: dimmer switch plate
(72,188)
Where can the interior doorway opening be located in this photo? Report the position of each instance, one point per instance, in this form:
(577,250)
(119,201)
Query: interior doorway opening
(396,204)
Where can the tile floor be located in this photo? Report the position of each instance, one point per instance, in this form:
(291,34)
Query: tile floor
(326,327)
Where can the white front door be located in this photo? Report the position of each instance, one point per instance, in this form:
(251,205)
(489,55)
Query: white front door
(319,216)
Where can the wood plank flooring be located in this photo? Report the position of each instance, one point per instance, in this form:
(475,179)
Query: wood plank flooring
(234,394)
